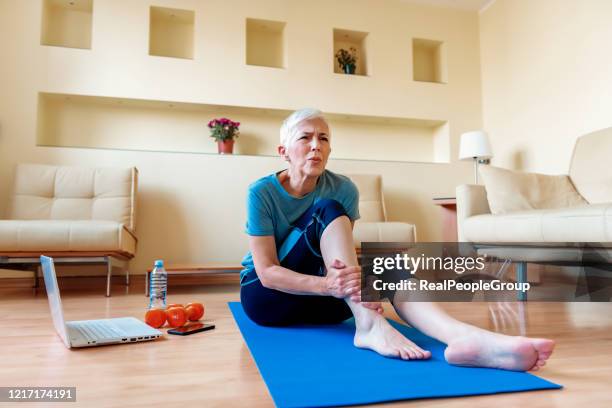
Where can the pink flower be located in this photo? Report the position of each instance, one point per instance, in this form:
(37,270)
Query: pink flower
(226,123)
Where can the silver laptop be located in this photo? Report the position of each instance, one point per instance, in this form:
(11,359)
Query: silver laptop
(88,333)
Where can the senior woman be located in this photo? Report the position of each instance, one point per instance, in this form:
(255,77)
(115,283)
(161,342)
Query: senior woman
(302,266)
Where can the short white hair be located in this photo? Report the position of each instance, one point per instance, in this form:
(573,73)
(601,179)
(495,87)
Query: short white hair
(288,131)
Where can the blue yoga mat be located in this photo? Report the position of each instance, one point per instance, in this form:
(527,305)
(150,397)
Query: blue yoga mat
(318,366)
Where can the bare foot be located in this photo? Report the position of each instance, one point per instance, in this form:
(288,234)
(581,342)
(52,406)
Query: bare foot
(486,349)
(382,338)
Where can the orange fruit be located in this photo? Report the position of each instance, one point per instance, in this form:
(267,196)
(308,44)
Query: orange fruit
(195,311)
(176,316)
(155,318)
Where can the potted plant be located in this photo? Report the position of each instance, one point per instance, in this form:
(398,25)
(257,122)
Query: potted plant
(224,131)
(347,60)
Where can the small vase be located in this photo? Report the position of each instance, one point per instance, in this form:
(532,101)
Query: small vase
(349,69)
(225,146)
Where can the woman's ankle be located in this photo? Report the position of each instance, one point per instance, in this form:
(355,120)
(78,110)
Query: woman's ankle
(364,317)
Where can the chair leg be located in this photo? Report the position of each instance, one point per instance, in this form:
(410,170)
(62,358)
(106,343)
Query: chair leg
(36,269)
(522,319)
(127,277)
(109,272)
(521,277)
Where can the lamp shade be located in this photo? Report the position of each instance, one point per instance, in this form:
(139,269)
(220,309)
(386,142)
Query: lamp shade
(475,144)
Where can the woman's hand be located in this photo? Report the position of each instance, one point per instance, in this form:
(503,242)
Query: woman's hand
(376,306)
(370,294)
(342,281)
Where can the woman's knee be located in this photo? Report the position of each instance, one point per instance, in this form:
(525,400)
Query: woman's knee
(327,210)
(329,205)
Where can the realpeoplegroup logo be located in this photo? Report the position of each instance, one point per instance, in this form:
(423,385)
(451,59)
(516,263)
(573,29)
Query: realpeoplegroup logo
(459,265)
(412,264)
(442,272)
(449,284)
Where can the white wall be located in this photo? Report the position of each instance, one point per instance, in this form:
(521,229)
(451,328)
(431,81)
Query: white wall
(546,78)
(171,32)
(265,41)
(85,121)
(191,206)
(59,24)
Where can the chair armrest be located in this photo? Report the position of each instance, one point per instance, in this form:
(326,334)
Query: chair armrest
(366,231)
(471,200)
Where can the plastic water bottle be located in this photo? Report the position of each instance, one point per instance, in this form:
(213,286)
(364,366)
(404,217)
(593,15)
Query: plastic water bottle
(158,286)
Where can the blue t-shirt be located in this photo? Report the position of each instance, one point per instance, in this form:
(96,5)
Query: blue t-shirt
(271,210)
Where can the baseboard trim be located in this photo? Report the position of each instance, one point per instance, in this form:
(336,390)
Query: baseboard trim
(136,281)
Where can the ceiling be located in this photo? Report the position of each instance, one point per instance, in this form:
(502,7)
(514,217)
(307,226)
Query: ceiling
(473,5)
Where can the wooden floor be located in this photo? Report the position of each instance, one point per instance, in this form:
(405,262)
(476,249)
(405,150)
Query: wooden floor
(215,369)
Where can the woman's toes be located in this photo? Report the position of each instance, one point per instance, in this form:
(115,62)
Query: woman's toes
(544,347)
(404,354)
(541,363)
(419,355)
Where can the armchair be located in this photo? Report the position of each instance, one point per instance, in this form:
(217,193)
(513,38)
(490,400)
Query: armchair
(373,225)
(76,215)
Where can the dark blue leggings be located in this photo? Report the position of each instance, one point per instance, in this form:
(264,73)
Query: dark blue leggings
(301,253)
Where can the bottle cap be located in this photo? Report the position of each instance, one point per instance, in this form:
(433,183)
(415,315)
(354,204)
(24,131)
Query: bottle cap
(159,263)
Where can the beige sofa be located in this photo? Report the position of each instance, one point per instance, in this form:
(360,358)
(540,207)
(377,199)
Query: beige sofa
(373,225)
(529,217)
(74,214)
(571,208)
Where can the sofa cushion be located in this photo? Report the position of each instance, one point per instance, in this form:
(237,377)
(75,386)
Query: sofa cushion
(590,169)
(371,203)
(65,236)
(587,223)
(383,232)
(509,191)
(45,192)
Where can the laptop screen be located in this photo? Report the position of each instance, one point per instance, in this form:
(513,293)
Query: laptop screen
(55,302)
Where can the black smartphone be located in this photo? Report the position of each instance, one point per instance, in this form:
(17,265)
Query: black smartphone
(191,329)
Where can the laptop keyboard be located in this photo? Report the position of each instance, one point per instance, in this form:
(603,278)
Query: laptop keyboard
(95,330)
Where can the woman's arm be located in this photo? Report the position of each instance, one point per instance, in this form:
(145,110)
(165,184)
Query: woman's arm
(339,282)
